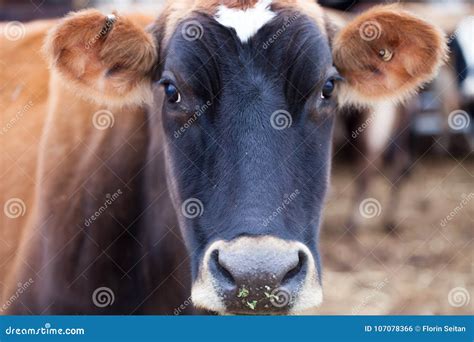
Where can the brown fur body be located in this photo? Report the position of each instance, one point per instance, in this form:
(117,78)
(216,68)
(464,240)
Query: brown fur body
(67,167)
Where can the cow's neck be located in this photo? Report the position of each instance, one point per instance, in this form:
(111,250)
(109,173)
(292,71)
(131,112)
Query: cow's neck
(81,171)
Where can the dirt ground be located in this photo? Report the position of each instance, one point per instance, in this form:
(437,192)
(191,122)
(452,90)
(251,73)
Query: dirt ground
(425,268)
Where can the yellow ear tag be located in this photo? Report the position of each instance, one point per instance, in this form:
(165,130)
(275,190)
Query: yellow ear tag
(386,54)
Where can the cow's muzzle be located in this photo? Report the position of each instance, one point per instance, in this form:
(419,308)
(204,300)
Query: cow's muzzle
(257,275)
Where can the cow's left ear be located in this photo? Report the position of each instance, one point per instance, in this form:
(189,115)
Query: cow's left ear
(106,58)
(386,54)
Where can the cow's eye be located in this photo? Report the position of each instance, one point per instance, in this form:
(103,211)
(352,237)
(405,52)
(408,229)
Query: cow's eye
(328,89)
(172,93)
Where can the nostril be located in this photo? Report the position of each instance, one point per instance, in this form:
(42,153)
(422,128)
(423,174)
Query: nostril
(220,272)
(298,272)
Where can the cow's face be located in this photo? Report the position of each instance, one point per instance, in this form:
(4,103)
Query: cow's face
(250,92)
(248,126)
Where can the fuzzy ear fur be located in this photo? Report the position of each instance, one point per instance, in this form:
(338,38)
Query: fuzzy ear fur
(386,54)
(108,59)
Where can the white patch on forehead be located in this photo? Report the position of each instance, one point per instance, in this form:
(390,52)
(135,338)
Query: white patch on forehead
(246,23)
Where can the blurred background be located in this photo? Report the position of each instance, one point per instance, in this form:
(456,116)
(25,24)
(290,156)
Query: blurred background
(399,220)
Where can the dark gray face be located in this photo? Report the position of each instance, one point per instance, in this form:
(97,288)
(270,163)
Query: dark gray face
(248,134)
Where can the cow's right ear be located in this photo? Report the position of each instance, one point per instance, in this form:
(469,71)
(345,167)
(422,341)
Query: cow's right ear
(386,54)
(108,59)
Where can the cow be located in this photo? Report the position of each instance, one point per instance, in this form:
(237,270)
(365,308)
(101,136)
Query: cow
(151,164)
